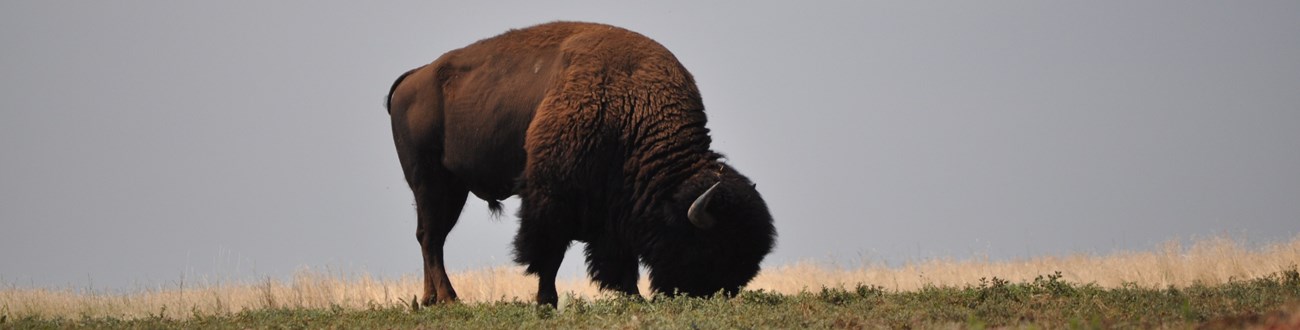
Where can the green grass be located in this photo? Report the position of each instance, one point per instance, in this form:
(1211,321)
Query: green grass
(1044,302)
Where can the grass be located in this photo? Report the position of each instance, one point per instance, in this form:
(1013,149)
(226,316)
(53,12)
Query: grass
(1215,282)
(1044,302)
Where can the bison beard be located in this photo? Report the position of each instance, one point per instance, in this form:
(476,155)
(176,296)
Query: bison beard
(601,132)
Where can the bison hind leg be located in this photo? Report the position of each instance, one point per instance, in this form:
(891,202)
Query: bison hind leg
(439,200)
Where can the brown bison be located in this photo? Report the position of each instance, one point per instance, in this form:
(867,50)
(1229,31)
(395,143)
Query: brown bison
(601,132)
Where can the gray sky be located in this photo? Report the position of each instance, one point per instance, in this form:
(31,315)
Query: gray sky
(141,141)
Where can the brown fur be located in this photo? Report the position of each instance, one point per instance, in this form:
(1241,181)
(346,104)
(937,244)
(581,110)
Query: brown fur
(601,132)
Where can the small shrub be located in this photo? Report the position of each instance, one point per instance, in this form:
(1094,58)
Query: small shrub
(869,291)
(1052,285)
(1291,277)
(837,296)
(762,297)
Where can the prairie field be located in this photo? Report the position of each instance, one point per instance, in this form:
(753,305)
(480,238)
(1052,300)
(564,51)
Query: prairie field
(1220,267)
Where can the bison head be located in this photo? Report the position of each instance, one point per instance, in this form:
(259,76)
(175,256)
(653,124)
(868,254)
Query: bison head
(717,231)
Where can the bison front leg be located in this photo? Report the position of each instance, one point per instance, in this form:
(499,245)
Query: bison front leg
(543,256)
(438,204)
(540,244)
(613,270)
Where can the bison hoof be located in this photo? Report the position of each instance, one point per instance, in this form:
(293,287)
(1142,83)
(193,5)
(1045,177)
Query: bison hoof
(430,301)
(548,299)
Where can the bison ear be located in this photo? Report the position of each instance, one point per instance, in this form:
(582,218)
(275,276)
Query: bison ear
(698,213)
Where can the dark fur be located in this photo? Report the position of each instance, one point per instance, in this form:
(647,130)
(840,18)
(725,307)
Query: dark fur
(601,132)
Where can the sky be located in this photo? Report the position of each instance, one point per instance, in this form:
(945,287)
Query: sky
(145,142)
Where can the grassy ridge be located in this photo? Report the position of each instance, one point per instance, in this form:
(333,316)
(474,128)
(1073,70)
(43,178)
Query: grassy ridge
(1046,301)
(1209,261)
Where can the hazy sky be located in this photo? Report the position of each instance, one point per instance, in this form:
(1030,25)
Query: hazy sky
(146,141)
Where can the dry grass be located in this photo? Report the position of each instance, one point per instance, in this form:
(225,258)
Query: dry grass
(1210,261)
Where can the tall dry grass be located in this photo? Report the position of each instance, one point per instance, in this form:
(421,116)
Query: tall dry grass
(1208,261)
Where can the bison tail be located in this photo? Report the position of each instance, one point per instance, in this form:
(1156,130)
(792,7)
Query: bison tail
(388,102)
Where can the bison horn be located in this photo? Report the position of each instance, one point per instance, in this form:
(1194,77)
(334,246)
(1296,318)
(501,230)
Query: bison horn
(698,214)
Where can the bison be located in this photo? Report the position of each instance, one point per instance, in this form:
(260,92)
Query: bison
(601,133)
